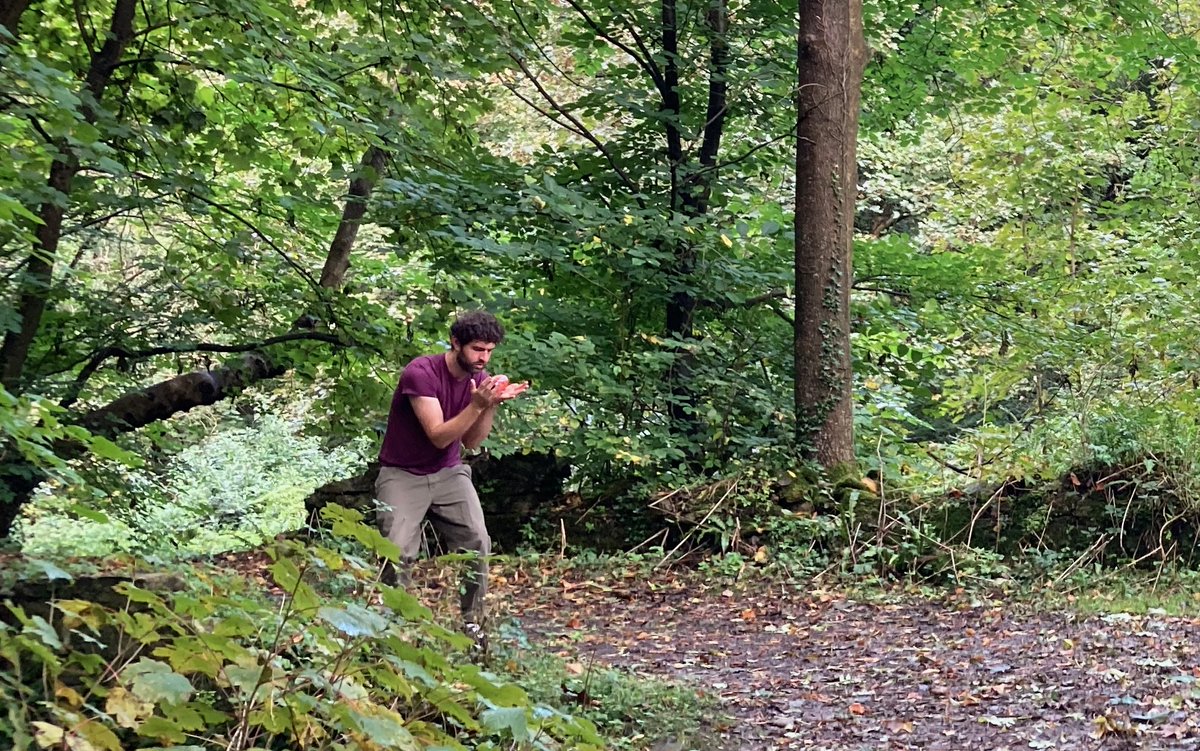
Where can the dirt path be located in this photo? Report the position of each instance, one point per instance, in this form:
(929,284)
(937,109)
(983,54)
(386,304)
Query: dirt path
(815,671)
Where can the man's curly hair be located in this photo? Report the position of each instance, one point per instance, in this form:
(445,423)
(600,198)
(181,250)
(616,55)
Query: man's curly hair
(477,326)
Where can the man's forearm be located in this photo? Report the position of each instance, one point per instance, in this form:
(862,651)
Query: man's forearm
(457,427)
(480,429)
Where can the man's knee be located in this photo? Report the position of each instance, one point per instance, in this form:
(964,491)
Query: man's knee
(476,541)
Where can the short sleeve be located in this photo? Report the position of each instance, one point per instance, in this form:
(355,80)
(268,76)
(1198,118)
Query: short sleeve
(418,379)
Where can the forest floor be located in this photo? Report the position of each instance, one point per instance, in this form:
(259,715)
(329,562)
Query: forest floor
(800,669)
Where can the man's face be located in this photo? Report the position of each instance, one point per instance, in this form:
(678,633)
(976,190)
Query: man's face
(472,357)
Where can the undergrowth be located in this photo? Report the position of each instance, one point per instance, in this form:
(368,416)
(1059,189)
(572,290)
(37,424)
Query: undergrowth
(214,665)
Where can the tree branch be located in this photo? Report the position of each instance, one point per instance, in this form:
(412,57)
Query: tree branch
(361,184)
(10,14)
(645,63)
(262,236)
(544,55)
(579,128)
(881,290)
(107,353)
(179,394)
(749,302)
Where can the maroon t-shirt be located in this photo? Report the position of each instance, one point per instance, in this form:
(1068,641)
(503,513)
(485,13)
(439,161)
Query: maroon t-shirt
(405,444)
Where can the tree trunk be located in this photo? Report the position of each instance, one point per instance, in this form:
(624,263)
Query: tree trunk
(10,15)
(39,269)
(361,185)
(691,190)
(830,57)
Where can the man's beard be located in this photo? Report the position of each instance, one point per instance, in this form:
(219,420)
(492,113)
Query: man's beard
(466,364)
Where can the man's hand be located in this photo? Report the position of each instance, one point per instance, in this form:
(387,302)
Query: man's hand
(486,396)
(513,390)
(495,389)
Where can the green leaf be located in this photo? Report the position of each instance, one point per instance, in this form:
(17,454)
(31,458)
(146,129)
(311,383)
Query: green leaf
(162,729)
(106,449)
(503,695)
(38,626)
(247,678)
(287,575)
(405,603)
(353,620)
(156,682)
(511,719)
(87,512)
(383,726)
(97,736)
(51,571)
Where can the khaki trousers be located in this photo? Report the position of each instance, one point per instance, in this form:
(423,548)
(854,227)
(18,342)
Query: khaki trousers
(449,499)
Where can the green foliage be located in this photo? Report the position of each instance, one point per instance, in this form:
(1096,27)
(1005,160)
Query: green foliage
(230,491)
(287,670)
(1023,303)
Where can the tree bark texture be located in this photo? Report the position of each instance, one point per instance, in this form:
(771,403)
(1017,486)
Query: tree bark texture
(39,269)
(830,56)
(10,15)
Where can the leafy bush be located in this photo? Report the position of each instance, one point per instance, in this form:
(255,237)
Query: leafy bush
(229,667)
(232,491)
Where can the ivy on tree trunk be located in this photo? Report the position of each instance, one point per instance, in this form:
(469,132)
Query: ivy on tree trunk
(830,57)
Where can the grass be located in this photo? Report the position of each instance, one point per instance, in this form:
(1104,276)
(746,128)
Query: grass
(1164,591)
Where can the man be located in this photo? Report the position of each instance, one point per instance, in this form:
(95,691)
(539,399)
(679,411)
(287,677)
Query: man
(443,402)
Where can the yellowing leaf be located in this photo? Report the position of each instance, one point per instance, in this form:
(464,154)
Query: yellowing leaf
(48,735)
(726,241)
(760,555)
(70,695)
(125,707)
(628,219)
(94,736)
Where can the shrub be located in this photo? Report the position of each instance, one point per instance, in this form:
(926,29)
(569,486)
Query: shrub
(234,490)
